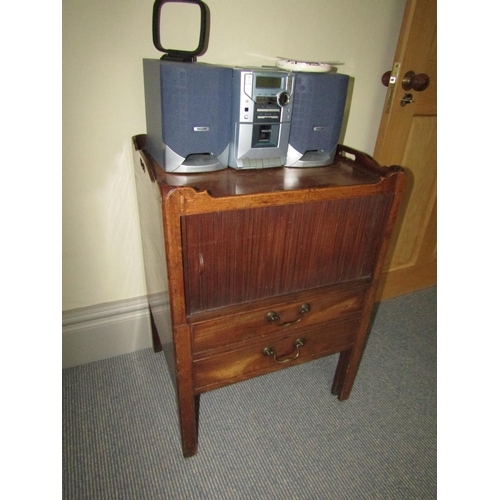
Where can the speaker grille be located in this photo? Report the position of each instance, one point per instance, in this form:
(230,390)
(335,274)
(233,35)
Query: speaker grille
(196,107)
(318,110)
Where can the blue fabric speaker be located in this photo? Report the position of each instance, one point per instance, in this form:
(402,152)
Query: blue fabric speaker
(317,116)
(188,115)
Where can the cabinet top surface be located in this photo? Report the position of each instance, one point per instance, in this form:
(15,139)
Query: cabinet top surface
(350,168)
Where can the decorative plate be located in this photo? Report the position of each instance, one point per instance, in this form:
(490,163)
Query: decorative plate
(306,66)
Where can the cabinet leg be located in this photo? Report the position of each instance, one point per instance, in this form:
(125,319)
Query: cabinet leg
(340,373)
(157,347)
(346,373)
(188,416)
(188,402)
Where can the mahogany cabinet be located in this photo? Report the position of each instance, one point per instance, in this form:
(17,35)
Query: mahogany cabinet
(254,271)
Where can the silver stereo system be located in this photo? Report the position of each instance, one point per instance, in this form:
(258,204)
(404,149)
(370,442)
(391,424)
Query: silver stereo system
(203,117)
(261,117)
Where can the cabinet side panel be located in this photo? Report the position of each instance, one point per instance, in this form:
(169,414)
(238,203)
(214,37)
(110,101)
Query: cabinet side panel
(244,255)
(153,247)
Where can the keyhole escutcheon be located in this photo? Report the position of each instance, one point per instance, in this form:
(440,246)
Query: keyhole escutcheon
(407,99)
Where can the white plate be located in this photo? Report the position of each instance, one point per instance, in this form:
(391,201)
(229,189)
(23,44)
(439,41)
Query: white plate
(306,66)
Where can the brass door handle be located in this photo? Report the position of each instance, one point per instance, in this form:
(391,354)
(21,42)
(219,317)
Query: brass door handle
(273,317)
(411,81)
(269,351)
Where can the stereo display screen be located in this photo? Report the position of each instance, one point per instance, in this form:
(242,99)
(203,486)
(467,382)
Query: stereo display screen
(267,82)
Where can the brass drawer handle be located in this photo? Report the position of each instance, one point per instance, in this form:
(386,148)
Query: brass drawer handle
(273,317)
(269,351)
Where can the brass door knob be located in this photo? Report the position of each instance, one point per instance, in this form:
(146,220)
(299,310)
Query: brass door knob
(386,78)
(411,81)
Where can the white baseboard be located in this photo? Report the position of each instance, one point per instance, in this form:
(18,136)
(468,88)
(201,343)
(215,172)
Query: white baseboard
(106,330)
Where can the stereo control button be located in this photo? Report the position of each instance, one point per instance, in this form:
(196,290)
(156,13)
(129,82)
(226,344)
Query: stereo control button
(283,98)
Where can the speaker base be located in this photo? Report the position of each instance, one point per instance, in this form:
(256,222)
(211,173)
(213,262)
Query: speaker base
(194,163)
(317,158)
(200,163)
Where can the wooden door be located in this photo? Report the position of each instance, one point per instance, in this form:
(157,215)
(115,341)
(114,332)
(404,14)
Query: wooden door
(407,137)
(233,257)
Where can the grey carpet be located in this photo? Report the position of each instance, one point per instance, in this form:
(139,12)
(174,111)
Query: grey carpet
(279,436)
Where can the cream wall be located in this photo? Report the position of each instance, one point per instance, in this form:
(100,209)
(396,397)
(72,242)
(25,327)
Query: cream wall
(104,42)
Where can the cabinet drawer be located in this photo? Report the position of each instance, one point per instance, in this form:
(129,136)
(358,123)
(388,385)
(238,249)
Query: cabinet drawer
(249,360)
(237,327)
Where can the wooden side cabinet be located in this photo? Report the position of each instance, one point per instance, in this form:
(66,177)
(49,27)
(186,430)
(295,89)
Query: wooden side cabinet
(249,272)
